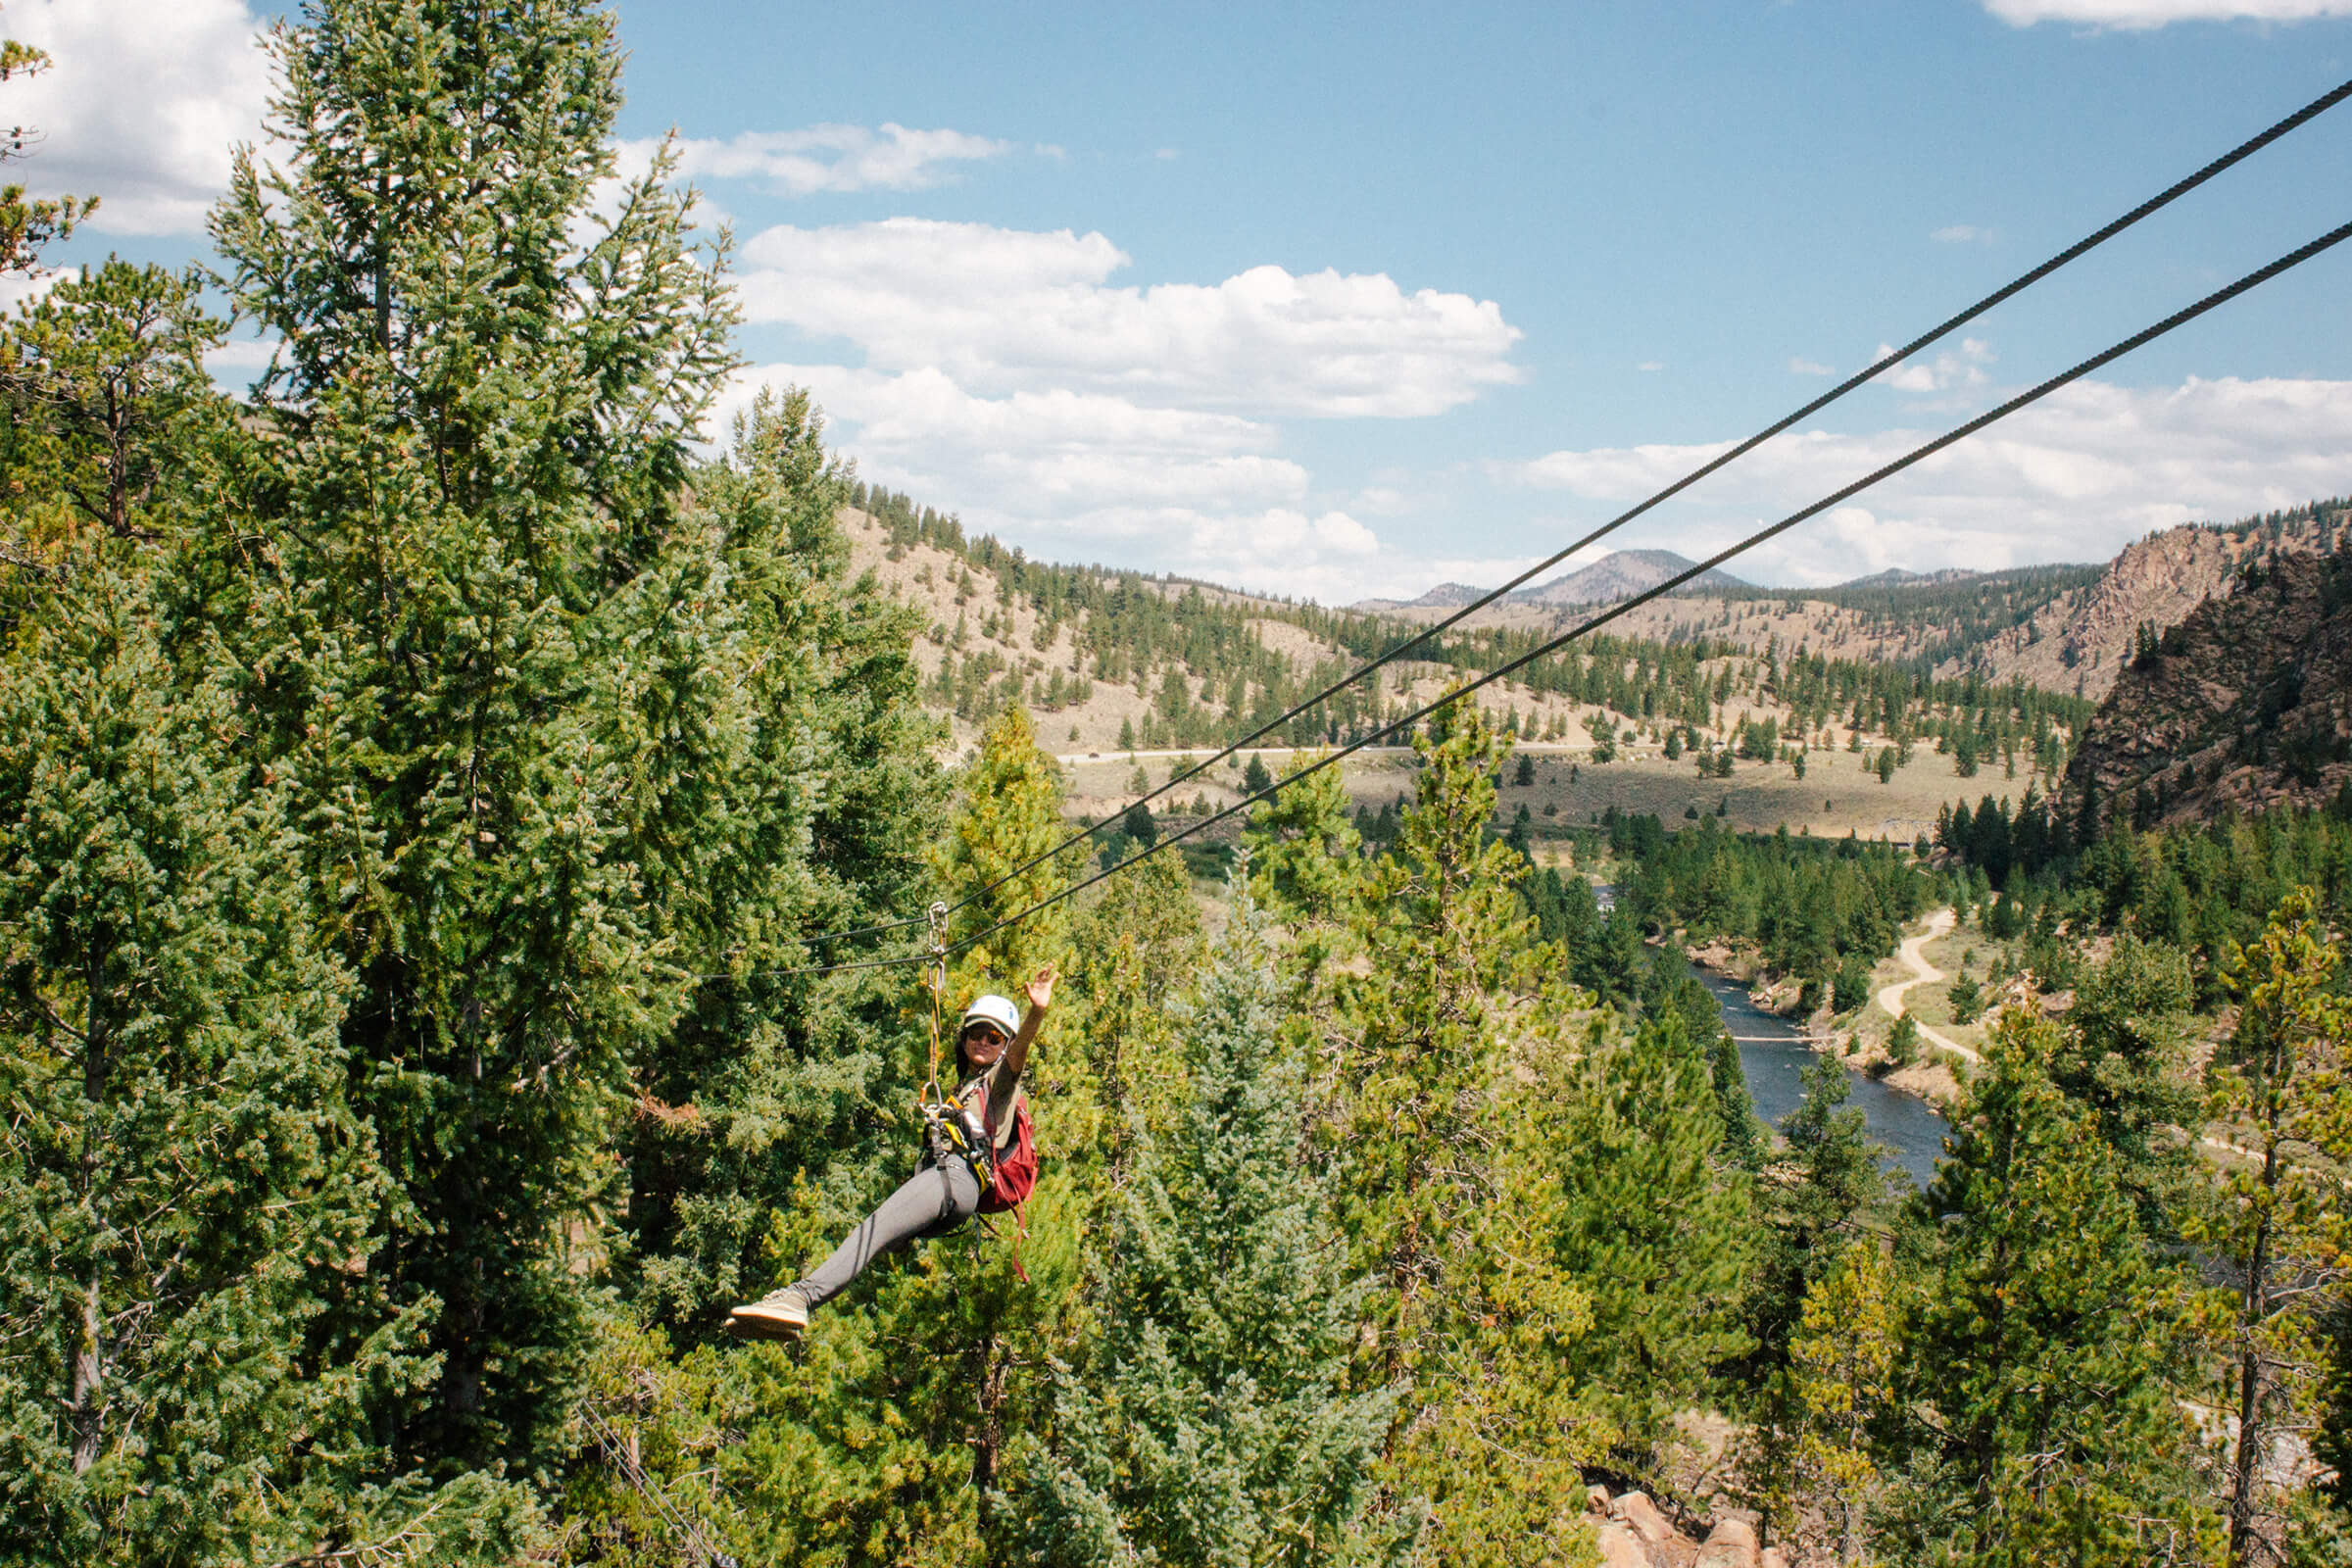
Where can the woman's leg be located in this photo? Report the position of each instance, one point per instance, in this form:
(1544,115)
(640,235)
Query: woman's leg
(935,1199)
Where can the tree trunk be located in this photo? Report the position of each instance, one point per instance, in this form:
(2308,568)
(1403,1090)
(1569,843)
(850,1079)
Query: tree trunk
(89,1360)
(2254,1302)
(989,1440)
(89,1385)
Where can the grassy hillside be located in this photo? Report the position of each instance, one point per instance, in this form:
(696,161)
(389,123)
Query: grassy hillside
(1131,675)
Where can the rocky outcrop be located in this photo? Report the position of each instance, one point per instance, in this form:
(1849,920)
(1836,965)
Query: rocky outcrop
(1634,1533)
(2246,703)
(2083,638)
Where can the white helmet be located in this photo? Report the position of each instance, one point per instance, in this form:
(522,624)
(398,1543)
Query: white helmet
(992,1009)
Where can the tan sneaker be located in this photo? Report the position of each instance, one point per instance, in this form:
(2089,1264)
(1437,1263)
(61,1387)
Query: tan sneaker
(778,1315)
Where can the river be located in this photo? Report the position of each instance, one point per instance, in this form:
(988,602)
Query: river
(1773,1054)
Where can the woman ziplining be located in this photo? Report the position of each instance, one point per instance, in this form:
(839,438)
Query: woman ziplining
(979,1156)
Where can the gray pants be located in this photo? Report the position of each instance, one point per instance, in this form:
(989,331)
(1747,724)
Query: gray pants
(935,1200)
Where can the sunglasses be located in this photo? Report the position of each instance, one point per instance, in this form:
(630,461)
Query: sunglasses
(982,1032)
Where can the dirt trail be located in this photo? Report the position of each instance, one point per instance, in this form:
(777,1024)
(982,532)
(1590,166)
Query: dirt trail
(1913,955)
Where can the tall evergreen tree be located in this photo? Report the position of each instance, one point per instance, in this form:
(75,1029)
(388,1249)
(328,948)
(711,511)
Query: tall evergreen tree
(1443,923)
(890,1440)
(2038,1364)
(1652,1229)
(1813,1210)
(27,226)
(187,1204)
(477,430)
(2284,1224)
(779,783)
(1817,1205)
(1211,1422)
(109,405)
(1842,1362)
(2121,1055)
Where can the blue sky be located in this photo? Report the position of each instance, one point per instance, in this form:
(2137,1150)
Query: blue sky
(1352,300)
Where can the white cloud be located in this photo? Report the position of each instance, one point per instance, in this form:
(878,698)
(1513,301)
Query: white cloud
(1955,368)
(1961,235)
(1001,309)
(17,289)
(1088,475)
(142,106)
(826,158)
(2073,477)
(1381,501)
(2137,15)
(1804,367)
(1650,365)
(1053,455)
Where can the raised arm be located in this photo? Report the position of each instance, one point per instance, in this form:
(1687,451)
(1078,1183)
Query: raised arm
(1041,998)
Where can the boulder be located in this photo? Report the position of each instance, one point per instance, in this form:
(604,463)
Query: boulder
(1731,1544)
(1596,1502)
(1620,1548)
(1770,1558)
(1641,1516)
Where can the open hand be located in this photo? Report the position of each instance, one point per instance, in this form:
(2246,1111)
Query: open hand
(1041,989)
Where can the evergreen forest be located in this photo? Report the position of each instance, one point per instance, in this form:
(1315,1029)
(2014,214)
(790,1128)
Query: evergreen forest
(434,784)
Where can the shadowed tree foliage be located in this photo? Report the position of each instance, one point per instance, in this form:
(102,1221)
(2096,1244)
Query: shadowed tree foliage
(192,1340)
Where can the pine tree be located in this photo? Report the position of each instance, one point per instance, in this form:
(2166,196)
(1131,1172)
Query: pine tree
(1651,1231)
(1837,1183)
(27,226)
(2282,1225)
(891,1438)
(1211,1422)
(478,431)
(1306,871)
(187,1204)
(1842,1364)
(2120,1056)
(1441,923)
(2038,1360)
(110,407)
(780,783)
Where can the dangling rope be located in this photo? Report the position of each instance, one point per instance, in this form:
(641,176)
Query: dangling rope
(626,1465)
(944,1129)
(930,1098)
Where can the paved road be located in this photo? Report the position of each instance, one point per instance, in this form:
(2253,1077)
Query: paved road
(1924,973)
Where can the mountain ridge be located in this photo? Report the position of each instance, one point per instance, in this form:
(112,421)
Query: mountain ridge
(1620,574)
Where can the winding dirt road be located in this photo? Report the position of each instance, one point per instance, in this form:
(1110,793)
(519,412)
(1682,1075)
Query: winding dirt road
(1914,957)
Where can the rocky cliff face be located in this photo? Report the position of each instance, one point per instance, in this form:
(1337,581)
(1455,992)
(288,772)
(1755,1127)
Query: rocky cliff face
(2083,640)
(2246,702)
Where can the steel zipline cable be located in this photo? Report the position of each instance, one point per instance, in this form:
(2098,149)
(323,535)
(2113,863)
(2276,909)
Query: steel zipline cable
(1437,629)
(2146,335)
